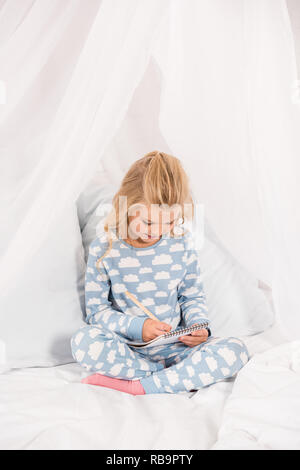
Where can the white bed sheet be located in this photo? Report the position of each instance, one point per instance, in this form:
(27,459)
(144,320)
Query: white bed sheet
(263,410)
(48,408)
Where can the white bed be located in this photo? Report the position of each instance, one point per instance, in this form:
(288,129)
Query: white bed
(263,410)
(48,408)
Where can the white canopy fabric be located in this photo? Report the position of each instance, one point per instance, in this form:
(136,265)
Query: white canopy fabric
(103,82)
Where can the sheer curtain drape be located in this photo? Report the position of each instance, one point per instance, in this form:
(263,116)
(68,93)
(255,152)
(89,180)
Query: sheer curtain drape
(112,57)
(226,108)
(273,111)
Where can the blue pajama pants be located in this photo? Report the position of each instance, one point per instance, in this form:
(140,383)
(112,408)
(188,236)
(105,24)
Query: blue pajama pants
(172,368)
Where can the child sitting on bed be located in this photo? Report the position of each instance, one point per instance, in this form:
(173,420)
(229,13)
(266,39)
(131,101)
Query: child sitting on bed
(161,270)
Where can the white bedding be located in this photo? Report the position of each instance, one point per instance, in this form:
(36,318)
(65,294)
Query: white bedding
(48,408)
(263,410)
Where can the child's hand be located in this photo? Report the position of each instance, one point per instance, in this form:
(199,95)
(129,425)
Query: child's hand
(194,338)
(154,328)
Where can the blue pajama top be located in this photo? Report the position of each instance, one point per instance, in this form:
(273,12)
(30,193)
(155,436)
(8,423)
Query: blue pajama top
(164,277)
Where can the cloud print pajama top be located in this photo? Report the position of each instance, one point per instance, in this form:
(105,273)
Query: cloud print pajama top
(165,278)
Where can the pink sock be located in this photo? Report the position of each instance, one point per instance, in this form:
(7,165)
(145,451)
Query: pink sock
(134,387)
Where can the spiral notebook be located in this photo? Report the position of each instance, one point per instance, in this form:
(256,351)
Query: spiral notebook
(170,337)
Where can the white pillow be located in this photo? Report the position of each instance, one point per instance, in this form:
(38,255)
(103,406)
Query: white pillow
(237,306)
(47,305)
(93,205)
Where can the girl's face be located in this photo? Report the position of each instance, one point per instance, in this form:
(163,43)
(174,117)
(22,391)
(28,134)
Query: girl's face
(149,223)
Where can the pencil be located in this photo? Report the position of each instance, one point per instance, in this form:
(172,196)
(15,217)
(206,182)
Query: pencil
(134,299)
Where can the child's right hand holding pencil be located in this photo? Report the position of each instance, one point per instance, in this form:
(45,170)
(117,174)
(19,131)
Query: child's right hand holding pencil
(154,328)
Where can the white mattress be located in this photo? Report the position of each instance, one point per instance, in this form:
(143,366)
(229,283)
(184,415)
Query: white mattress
(48,408)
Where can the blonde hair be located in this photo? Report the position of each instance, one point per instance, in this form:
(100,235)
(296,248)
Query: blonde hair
(156,178)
